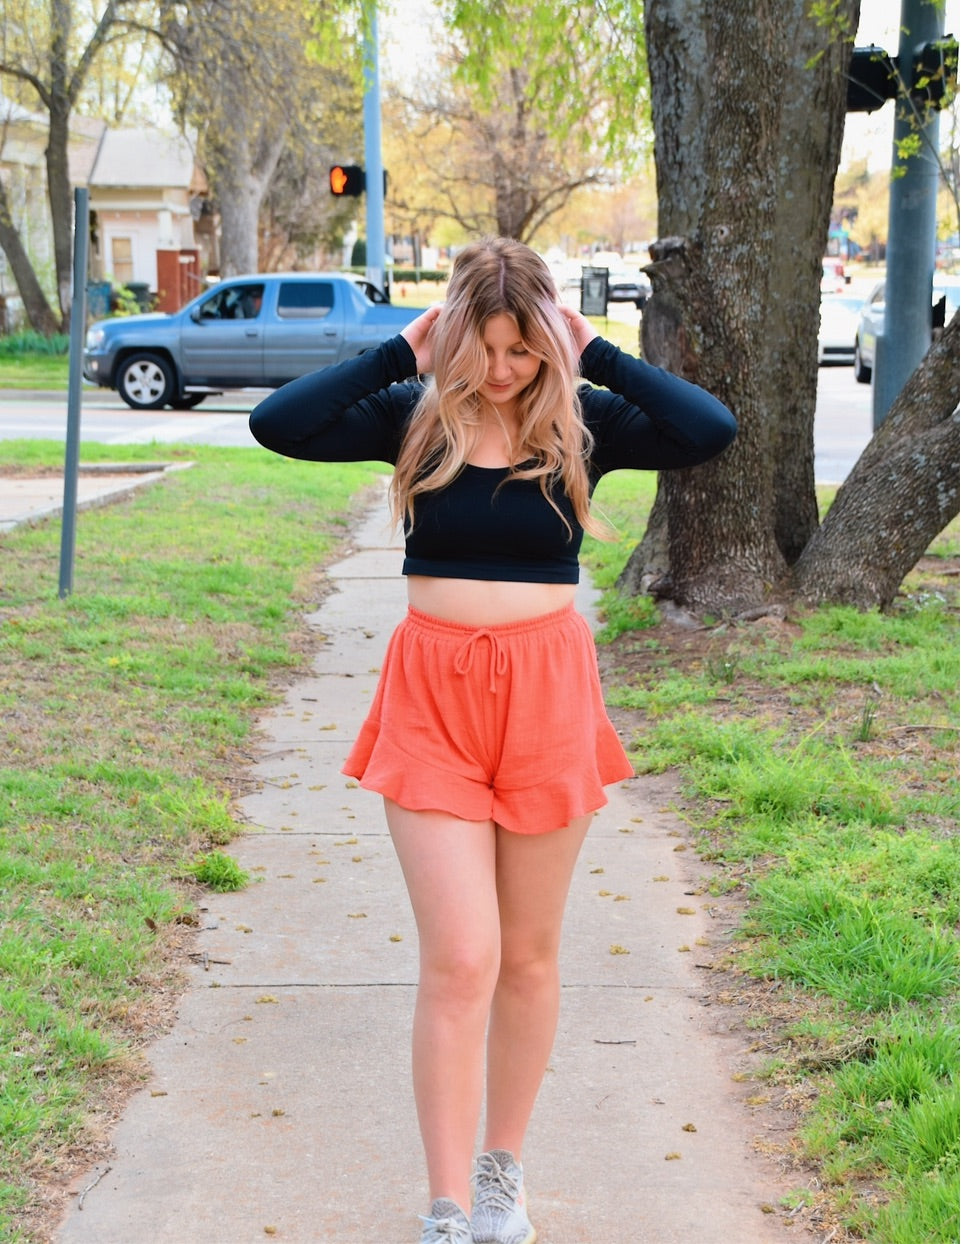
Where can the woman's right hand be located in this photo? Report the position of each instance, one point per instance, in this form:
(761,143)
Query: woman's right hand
(582,330)
(418,335)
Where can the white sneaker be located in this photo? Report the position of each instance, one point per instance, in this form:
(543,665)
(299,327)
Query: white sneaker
(499,1215)
(447,1224)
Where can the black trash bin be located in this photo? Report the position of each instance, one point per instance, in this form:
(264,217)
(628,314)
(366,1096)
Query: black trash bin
(141,292)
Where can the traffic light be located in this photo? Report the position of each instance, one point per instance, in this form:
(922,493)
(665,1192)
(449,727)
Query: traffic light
(930,79)
(934,72)
(872,79)
(347,179)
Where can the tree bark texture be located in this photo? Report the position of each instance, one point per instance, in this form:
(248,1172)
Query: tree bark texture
(243,101)
(812,128)
(59,106)
(722,551)
(40,315)
(903,489)
(241,171)
(747,138)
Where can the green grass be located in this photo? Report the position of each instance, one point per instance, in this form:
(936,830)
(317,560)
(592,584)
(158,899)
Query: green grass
(27,344)
(34,371)
(219,872)
(122,709)
(818,771)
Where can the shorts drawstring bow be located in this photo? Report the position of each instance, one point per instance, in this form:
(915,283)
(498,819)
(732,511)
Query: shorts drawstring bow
(464,657)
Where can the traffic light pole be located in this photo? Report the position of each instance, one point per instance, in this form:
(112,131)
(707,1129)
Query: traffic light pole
(912,224)
(376,242)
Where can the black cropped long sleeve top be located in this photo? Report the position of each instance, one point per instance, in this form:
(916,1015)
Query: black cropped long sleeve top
(484,525)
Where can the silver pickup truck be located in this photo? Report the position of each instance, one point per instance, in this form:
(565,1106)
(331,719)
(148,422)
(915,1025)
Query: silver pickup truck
(249,332)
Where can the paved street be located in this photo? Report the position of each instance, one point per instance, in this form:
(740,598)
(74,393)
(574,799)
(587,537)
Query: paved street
(842,425)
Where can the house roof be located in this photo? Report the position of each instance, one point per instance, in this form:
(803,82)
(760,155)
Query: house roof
(142,157)
(23,137)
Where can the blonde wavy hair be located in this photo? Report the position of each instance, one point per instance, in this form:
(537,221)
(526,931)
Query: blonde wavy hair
(498,276)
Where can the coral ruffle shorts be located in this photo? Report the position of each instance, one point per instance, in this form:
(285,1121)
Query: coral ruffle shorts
(502,723)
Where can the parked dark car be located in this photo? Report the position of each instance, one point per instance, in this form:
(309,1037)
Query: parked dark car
(623,285)
(248,332)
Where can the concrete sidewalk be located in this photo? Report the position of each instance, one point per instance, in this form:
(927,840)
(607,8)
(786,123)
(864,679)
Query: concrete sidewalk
(30,498)
(280,1106)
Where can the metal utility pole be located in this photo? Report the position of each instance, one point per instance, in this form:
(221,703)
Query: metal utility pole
(373,158)
(912,223)
(78,316)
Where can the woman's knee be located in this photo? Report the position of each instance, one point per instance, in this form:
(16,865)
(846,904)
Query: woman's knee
(529,971)
(464,974)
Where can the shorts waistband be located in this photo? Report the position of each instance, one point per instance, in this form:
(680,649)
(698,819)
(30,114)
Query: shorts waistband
(441,626)
(495,640)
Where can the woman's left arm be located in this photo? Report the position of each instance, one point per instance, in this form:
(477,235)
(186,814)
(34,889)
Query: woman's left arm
(649,418)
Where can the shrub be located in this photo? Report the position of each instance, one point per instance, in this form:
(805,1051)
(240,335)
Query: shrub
(30,342)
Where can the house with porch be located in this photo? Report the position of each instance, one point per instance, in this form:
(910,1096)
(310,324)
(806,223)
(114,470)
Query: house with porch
(152,229)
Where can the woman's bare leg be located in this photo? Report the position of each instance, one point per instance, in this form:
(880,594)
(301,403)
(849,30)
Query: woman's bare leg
(449,866)
(533,878)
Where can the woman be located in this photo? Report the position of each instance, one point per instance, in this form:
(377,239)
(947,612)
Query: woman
(487,736)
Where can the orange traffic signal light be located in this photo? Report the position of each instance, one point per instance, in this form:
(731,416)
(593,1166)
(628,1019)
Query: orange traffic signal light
(347,179)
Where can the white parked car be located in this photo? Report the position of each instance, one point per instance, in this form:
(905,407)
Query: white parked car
(839,322)
(871,322)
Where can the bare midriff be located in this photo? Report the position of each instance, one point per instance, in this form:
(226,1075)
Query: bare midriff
(482,602)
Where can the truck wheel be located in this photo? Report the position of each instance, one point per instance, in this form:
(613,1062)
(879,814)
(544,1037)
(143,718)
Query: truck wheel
(146,381)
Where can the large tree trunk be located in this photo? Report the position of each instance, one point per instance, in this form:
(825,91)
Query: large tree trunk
(243,102)
(812,128)
(745,175)
(241,179)
(60,104)
(61,204)
(902,492)
(40,315)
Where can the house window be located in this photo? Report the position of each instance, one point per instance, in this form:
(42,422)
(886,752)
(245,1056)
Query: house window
(121,260)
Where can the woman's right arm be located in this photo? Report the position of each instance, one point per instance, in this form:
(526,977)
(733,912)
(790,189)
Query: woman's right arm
(354,411)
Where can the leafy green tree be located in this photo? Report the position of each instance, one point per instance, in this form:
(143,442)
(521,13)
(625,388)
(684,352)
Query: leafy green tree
(745,182)
(254,79)
(513,124)
(864,198)
(47,57)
